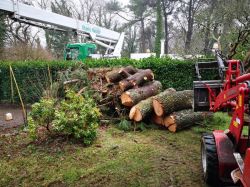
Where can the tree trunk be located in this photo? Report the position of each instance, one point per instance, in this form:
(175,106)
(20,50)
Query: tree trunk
(166,26)
(157,120)
(143,39)
(167,103)
(246,62)
(184,119)
(168,120)
(144,108)
(207,39)
(137,79)
(133,96)
(190,27)
(119,74)
(141,110)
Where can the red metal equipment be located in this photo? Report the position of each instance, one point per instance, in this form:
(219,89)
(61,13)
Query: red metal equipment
(226,154)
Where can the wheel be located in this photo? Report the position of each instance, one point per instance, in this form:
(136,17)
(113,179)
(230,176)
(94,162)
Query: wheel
(209,159)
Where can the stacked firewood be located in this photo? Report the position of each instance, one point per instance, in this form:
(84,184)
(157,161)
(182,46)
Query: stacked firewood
(134,93)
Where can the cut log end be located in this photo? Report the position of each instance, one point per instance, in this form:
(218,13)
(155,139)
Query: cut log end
(157,120)
(126,99)
(158,108)
(138,115)
(135,114)
(132,113)
(168,121)
(172,128)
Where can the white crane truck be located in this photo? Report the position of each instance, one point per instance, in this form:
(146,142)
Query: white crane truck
(106,38)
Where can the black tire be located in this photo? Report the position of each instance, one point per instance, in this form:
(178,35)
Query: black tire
(209,160)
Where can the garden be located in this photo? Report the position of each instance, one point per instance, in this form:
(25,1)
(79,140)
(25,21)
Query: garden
(68,138)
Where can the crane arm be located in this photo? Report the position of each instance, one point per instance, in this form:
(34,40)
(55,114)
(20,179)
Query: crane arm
(26,13)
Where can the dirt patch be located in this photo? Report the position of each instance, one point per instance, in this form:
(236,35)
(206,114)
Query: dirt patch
(12,125)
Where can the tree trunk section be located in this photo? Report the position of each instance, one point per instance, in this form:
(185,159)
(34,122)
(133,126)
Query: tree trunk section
(144,108)
(166,103)
(143,38)
(190,27)
(133,96)
(207,39)
(137,79)
(168,120)
(246,62)
(184,119)
(157,120)
(165,26)
(119,74)
(141,110)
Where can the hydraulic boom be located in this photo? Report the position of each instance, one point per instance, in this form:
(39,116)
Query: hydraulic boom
(109,39)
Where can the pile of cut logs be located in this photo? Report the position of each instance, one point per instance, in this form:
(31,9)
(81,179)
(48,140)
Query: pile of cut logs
(140,97)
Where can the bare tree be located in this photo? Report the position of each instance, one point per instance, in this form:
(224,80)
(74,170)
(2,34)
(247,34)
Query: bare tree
(168,7)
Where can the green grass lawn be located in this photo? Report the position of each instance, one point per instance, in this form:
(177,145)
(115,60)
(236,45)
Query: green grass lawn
(153,157)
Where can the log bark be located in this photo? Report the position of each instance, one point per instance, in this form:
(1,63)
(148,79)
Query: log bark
(183,119)
(133,96)
(144,108)
(119,74)
(137,79)
(141,110)
(166,103)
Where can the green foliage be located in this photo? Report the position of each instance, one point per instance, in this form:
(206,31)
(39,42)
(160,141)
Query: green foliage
(43,112)
(158,29)
(77,116)
(71,175)
(32,78)
(32,127)
(124,125)
(172,73)
(218,121)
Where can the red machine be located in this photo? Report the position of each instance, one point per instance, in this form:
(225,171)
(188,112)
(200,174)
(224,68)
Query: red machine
(225,154)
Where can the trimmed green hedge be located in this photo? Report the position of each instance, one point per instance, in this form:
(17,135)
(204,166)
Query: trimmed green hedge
(32,76)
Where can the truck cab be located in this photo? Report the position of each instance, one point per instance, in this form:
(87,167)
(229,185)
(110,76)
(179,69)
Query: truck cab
(79,51)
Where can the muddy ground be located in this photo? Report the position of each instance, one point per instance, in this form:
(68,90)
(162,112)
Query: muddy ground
(12,125)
